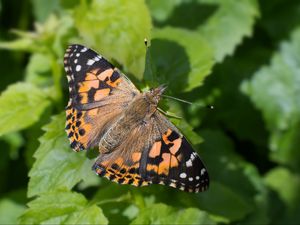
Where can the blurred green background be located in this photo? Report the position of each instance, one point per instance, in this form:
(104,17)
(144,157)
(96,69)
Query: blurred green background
(242,57)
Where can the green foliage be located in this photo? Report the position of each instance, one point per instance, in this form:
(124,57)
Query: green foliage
(163,214)
(242,57)
(10,211)
(232,21)
(275,91)
(54,147)
(21,105)
(115,40)
(62,207)
(179,47)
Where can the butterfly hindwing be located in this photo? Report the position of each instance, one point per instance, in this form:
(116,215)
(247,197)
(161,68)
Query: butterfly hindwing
(98,92)
(162,155)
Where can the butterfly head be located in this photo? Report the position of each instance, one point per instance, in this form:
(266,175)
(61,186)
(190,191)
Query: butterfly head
(154,94)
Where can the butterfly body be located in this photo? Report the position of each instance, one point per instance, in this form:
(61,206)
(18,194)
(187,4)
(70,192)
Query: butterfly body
(137,113)
(137,144)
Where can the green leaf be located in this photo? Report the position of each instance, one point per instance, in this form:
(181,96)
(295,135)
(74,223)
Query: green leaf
(275,90)
(62,207)
(226,28)
(225,202)
(10,211)
(235,181)
(161,10)
(163,214)
(287,18)
(111,28)
(183,59)
(21,105)
(38,70)
(15,141)
(43,8)
(287,185)
(90,215)
(280,177)
(57,166)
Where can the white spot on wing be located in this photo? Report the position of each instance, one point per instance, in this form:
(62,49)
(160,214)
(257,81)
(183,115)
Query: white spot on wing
(203,170)
(189,163)
(97,58)
(77,54)
(78,68)
(172,185)
(191,179)
(197,177)
(75,61)
(84,49)
(90,62)
(182,175)
(193,156)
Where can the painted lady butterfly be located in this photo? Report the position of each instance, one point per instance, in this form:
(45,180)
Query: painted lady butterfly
(137,144)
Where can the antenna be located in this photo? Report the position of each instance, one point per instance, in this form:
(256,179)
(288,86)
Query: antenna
(190,103)
(177,99)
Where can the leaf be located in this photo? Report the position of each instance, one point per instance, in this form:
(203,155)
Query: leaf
(15,141)
(287,185)
(90,215)
(57,166)
(38,70)
(182,58)
(234,180)
(161,10)
(226,28)
(163,214)
(111,28)
(42,9)
(275,90)
(10,211)
(62,207)
(287,18)
(21,105)
(225,202)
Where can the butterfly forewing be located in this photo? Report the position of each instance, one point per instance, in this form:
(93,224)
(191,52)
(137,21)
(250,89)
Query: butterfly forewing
(98,95)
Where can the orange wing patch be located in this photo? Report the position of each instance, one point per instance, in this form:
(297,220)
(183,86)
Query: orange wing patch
(155,150)
(100,94)
(121,172)
(165,154)
(86,86)
(163,167)
(97,86)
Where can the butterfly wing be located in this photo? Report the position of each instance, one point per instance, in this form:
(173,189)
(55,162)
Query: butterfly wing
(155,153)
(99,92)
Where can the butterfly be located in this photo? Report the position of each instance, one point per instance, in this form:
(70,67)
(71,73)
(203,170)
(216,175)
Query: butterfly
(137,144)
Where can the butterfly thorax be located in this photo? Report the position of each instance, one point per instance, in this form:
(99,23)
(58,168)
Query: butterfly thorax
(138,112)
